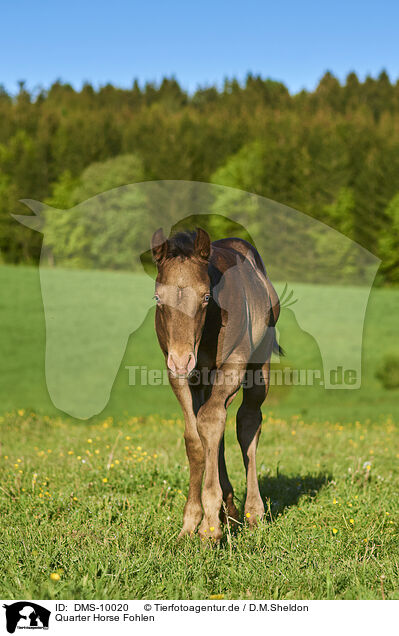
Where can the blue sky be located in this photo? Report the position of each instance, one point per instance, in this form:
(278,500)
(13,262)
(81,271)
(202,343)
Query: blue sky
(199,42)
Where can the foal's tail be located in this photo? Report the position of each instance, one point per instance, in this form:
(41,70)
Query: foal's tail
(276,347)
(274,313)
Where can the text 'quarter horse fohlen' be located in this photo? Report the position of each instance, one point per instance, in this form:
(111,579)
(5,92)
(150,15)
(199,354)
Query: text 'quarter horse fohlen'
(215,321)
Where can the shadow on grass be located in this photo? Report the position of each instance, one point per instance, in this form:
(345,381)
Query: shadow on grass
(282,492)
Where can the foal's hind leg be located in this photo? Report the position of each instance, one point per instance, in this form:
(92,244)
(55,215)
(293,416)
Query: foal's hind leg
(249,422)
(227,488)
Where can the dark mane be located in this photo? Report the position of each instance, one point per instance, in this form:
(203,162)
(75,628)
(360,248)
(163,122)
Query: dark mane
(181,244)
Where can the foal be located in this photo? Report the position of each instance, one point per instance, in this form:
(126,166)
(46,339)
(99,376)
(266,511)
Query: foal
(215,317)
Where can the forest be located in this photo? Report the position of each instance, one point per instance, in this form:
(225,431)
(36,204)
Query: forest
(332,153)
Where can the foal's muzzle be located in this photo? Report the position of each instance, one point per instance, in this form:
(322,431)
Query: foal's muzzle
(183,365)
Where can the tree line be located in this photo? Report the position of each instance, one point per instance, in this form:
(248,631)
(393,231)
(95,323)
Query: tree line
(332,152)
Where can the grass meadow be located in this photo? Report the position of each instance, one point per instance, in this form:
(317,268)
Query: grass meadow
(92,509)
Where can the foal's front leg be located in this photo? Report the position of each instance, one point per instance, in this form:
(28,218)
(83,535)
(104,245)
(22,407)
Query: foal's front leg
(192,514)
(211,421)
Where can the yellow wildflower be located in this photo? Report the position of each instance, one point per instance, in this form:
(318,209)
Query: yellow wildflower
(216,597)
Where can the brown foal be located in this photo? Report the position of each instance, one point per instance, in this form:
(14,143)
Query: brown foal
(215,318)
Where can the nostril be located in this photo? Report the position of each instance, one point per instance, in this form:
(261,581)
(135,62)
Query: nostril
(190,363)
(171,364)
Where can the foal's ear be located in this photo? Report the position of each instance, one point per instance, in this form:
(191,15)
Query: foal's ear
(159,246)
(202,244)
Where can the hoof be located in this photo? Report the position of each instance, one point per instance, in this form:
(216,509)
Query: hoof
(254,513)
(210,533)
(191,518)
(188,529)
(254,517)
(185,533)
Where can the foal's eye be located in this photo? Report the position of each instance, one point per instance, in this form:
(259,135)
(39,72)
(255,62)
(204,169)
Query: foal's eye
(157,299)
(207,298)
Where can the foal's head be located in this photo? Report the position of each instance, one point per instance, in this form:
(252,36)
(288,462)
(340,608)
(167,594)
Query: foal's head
(182,293)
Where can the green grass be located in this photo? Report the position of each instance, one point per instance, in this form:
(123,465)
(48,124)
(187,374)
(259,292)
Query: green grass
(325,458)
(23,337)
(111,532)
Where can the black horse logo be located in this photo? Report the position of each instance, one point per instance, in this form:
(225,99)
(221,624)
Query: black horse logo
(26,615)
